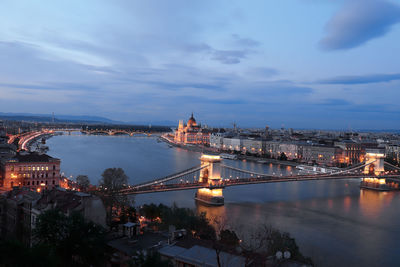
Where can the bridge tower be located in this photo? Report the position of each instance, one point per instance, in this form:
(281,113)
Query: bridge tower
(211,176)
(376,158)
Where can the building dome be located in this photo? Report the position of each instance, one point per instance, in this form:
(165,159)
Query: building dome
(191,121)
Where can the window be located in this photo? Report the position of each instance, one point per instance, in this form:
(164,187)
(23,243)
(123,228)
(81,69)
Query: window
(47,175)
(12,168)
(34,168)
(47,168)
(28,183)
(54,182)
(54,167)
(46,182)
(33,176)
(42,168)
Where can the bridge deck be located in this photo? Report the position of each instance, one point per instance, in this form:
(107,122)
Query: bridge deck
(245,181)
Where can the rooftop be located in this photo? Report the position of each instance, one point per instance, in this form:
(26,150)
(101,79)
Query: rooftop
(202,256)
(33,157)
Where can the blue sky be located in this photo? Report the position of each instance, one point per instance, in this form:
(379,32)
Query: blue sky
(298,63)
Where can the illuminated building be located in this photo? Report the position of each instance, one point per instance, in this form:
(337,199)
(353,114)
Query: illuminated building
(352,152)
(326,155)
(31,170)
(191,133)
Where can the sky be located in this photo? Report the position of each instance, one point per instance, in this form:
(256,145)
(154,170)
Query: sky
(326,64)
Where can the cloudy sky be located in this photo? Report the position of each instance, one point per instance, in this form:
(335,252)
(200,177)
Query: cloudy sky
(298,63)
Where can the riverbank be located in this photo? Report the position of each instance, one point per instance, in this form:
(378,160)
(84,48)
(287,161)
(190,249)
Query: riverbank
(36,141)
(200,148)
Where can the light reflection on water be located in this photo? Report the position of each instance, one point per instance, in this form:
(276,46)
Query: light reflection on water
(334,222)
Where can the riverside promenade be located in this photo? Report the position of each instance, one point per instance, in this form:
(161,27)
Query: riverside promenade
(201,148)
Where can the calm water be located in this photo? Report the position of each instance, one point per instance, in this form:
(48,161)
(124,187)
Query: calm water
(334,222)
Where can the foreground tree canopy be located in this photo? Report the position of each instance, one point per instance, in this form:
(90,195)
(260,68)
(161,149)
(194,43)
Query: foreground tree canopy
(76,241)
(83,182)
(113,179)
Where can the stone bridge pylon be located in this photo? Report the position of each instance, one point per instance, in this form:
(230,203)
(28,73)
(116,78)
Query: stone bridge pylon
(211,175)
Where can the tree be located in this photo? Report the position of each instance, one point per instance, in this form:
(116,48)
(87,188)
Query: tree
(113,179)
(73,239)
(51,228)
(283,156)
(14,253)
(266,241)
(128,214)
(229,238)
(151,211)
(83,182)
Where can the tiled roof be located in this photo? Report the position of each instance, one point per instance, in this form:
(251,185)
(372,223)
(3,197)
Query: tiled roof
(33,157)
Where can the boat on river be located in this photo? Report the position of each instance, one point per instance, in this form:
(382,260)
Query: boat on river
(228,156)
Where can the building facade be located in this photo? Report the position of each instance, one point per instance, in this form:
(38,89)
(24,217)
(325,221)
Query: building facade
(353,153)
(31,170)
(326,155)
(191,133)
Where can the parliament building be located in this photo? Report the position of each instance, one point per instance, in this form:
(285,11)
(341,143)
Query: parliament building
(191,133)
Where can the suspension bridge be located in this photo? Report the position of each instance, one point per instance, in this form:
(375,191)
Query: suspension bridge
(211,176)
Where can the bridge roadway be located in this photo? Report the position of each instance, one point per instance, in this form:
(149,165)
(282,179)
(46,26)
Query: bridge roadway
(245,181)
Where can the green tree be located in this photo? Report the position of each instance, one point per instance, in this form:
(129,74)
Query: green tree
(51,228)
(83,182)
(151,211)
(128,214)
(228,238)
(266,241)
(113,180)
(73,239)
(283,156)
(14,253)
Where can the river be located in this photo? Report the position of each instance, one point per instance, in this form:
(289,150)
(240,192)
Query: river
(334,222)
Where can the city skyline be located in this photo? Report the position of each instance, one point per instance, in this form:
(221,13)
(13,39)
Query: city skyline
(302,64)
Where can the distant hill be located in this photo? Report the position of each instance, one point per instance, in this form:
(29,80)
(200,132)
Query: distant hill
(58,118)
(164,123)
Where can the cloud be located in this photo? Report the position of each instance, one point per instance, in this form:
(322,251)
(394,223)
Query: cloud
(262,72)
(223,56)
(358,22)
(229,56)
(334,102)
(361,79)
(244,42)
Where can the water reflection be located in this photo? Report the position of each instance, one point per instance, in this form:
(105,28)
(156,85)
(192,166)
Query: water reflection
(215,215)
(347,203)
(372,203)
